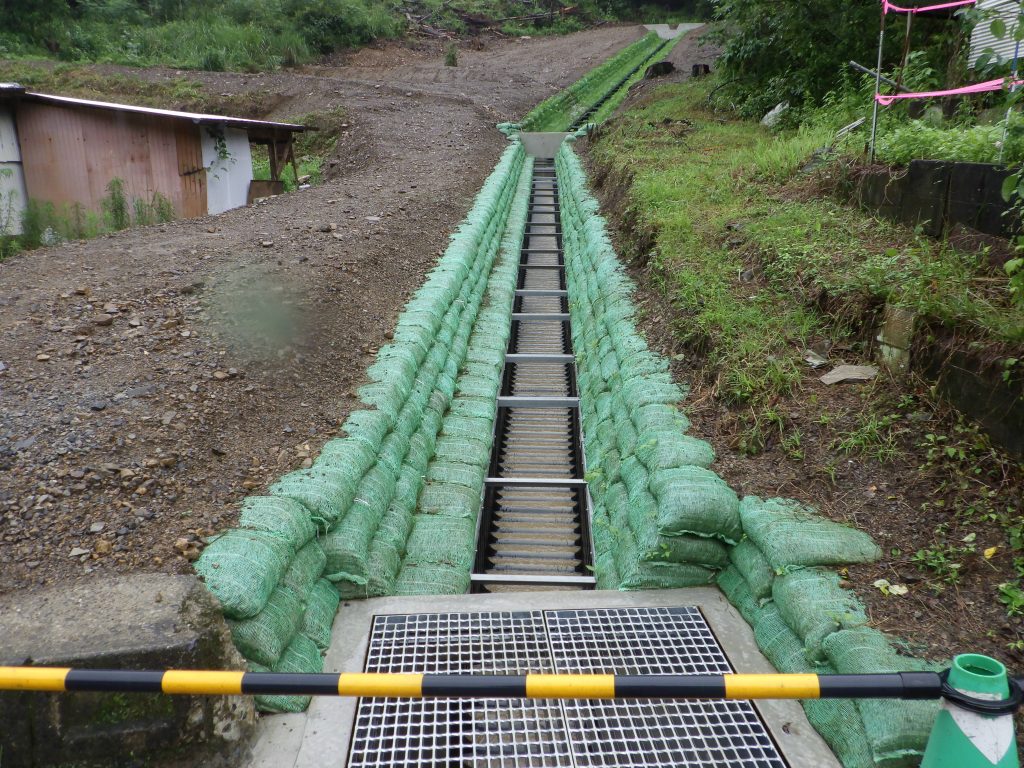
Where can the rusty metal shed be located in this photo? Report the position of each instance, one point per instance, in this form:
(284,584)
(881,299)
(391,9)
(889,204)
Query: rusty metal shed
(66,151)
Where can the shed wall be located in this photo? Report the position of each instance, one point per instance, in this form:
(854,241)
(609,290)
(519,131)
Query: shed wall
(982,37)
(71,155)
(13,196)
(228,177)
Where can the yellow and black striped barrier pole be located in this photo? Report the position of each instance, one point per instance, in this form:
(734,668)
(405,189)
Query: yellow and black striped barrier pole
(899,685)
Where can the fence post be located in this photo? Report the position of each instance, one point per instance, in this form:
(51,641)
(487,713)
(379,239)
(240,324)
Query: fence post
(964,739)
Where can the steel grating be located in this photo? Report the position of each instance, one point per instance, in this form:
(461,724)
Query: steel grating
(579,733)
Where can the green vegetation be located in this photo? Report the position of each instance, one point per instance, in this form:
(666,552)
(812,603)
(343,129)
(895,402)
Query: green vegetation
(312,148)
(254,35)
(560,112)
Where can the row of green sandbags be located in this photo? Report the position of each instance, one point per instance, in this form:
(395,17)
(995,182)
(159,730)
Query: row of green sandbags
(805,621)
(559,111)
(367,483)
(661,518)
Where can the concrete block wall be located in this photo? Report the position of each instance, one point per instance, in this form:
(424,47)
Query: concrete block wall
(391,507)
(662,519)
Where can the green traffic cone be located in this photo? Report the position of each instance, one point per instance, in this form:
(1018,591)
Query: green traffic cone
(964,739)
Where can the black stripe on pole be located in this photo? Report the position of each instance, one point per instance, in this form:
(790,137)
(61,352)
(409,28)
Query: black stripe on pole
(113,680)
(670,686)
(284,684)
(475,686)
(897,685)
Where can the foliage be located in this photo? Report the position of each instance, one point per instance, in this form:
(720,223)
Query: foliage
(798,52)
(115,206)
(451,56)
(916,140)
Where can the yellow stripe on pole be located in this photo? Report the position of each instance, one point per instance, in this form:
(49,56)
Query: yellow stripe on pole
(202,683)
(570,686)
(393,685)
(33,678)
(772,687)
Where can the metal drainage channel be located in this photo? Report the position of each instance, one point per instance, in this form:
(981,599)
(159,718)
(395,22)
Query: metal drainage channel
(534,527)
(573,733)
(582,119)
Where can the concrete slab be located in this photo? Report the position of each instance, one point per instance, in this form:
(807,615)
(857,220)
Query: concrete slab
(326,727)
(666,32)
(542,144)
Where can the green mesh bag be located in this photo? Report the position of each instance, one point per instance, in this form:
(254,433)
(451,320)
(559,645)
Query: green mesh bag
(241,569)
(456,473)
(779,643)
(321,606)
(754,568)
(445,540)
(789,533)
(305,569)
(283,518)
(264,637)
(325,492)
(678,451)
(449,500)
(839,723)
(737,591)
(896,730)
(302,655)
(693,500)
(711,553)
(432,579)
(814,605)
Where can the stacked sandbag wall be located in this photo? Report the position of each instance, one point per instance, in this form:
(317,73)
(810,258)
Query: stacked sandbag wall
(661,518)
(560,111)
(348,526)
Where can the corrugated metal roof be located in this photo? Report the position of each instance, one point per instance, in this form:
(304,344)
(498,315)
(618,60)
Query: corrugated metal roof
(982,37)
(195,117)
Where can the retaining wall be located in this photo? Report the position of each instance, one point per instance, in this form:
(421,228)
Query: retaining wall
(661,518)
(391,507)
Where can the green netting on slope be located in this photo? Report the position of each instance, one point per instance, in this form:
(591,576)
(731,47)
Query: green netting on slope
(264,637)
(789,533)
(814,605)
(302,655)
(321,606)
(897,730)
(282,518)
(754,568)
(242,568)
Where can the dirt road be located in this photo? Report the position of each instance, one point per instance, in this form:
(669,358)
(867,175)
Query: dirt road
(150,379)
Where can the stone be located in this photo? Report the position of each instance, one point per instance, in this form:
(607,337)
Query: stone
(843,373)
(97,527)
(78,552)
(42,357)
(103,320)
(141,621)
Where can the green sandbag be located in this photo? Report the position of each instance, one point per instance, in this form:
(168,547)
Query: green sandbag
(279,517)
(348,456)
(241,569)
(302,655)
(839,723)
(264,637)
(465,450)
(779,643)
(305,569)
(677,451)
(737,591)
(321,606)
(449,500)
(693,500)
(635,574)
(789,533)
(445,540)
(897,730)
(814,605)
(325,492)
(457,473)
(711,553)
(432,579)
(753,566)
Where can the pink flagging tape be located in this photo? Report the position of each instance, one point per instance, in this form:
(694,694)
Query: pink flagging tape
(887,6)
(989,85)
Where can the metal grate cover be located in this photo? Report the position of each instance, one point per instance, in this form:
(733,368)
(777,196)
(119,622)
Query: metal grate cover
(512,732)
